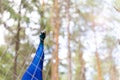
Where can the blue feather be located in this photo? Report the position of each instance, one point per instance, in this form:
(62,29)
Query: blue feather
(34,71)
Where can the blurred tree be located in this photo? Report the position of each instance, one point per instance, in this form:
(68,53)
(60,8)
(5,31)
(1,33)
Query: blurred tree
(16,33)
(111,44)
(117,5)
(71,20)
(80,63)
(5,62)
(68,40)
(56,25)
(17,43)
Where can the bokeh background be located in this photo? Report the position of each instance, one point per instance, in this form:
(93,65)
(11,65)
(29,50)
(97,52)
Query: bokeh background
(82,43)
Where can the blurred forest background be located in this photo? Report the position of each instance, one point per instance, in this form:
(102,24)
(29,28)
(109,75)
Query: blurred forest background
(82,43)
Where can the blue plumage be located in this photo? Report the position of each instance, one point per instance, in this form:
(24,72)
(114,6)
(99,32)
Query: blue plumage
(34,71)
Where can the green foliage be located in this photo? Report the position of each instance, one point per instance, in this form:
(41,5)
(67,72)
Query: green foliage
(26,19)
(5,64)
(27,5)
(117,4)
(4,5)
(110,41)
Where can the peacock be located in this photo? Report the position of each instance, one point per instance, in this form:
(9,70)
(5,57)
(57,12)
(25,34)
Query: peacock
(34,71)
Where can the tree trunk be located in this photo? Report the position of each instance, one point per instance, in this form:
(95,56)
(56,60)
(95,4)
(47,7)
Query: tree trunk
(82,62)
(17,43)
(55,59)
(98,67)
(68,40)
(1,6)
(98,62)
(113,71)
(42,23)
(82,67)
(69,56)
